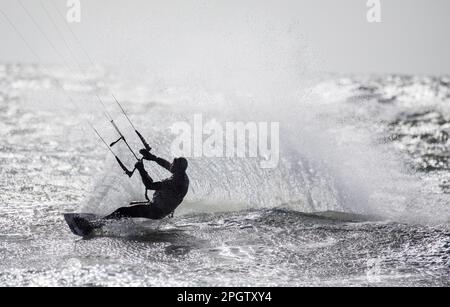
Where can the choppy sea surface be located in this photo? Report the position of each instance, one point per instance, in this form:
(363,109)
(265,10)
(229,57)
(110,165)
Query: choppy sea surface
(360,197)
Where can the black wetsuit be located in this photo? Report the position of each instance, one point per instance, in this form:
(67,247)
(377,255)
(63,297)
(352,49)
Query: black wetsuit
(169,194)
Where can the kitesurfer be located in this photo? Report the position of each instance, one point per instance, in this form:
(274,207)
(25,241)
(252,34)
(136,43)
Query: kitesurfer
(168,195)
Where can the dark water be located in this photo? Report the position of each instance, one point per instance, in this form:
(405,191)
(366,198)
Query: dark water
(258,230)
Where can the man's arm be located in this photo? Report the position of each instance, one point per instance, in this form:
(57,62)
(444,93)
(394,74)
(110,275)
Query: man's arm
(147,180)
(163,163)
(151,157)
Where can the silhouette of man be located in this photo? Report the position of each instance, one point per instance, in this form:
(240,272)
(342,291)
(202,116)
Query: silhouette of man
(169,193)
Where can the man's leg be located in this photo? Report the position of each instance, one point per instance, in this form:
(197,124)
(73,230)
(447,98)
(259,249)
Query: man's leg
(139,211)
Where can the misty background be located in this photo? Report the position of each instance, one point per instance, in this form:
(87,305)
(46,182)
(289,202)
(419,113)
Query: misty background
(327,35)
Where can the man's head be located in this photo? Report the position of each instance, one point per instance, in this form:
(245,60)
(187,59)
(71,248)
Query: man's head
(179,166)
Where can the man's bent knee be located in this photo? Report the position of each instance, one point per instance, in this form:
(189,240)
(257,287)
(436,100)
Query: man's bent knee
(140,211)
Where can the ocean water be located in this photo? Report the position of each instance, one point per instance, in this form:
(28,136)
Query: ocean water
(360,196)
